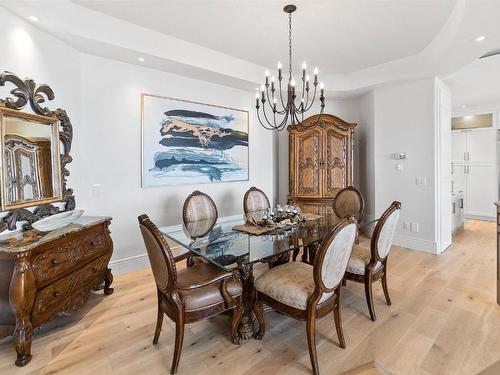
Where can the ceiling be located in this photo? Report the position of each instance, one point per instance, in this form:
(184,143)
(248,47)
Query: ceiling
(357,45)
(338,36)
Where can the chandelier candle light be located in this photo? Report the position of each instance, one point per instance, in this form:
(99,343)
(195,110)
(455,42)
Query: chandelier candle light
(281,113)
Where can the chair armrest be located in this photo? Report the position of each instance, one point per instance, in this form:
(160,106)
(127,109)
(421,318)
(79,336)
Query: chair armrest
(203,283)
(183,256)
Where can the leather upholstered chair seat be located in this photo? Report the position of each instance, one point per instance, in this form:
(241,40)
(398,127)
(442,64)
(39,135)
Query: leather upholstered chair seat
(209,295)
(191,294)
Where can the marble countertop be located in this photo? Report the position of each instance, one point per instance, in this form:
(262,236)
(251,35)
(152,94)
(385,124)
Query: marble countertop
(24,241)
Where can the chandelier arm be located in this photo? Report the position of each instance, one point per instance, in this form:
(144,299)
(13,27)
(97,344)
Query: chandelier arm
(283,123)
(313,100)
(271,103)
(265,116)
(270,127)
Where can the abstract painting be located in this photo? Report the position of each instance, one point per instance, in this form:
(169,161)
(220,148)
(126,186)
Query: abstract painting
(192,143)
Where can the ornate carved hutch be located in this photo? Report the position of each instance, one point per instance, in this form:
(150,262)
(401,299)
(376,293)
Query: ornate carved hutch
(320,162)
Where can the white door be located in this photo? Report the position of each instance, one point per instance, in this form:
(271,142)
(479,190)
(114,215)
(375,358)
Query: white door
(458,178)
(481,190)
(482,146)
(458,146)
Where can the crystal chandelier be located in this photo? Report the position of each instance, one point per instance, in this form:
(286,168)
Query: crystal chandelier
(281,111)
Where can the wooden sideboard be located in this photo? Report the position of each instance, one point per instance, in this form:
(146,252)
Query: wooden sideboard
(46,273)
(320,162)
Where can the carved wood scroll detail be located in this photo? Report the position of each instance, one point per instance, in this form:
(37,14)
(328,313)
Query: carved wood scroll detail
(27,91)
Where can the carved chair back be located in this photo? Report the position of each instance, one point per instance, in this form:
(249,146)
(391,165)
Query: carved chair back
(255,200)
(349,202)
(159,253)
(333,255)
(384,232)
(198,206)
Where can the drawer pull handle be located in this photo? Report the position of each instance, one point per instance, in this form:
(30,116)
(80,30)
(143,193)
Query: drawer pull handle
(55,261)
(57,294)
(94,243)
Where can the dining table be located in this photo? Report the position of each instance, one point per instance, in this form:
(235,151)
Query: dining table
(232,250)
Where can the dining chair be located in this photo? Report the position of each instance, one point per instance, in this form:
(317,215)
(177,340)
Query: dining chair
(349,202)
(369,265)
(190,294)
(255,200)
(309,292)
(198,207)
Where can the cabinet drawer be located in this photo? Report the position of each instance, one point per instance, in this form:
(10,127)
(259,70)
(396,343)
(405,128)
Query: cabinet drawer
(68,255)
(69,293)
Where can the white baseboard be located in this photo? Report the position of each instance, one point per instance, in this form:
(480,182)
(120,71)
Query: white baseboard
(480,217)
(129,264)
(415,243)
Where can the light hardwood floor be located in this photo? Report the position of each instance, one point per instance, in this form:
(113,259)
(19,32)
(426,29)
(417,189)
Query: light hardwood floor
(444,320)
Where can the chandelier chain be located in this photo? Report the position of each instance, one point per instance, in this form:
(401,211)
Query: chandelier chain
(290,45)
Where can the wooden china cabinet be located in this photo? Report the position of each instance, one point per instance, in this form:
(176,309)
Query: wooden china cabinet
(320,162)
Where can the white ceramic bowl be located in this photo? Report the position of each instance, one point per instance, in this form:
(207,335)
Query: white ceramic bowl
(57,221)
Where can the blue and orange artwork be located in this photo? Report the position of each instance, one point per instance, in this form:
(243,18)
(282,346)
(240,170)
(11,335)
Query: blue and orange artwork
(191,143)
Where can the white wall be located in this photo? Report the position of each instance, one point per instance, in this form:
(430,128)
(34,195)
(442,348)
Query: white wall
(347,110)
(405,118)
(366,145)
(110,103)
(102,97)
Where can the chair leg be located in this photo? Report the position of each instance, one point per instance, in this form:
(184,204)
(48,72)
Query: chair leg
(344,282)
(369,295)
(235,324)
(311,341)
(259,313)
(179,338)
(338,321)
(159,322)
(386,290)
(295,253)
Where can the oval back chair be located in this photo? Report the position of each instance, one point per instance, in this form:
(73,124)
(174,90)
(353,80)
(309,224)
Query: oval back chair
(198,206)
(309,292)
(255,200)
(369,265)
(190,294)
(349,202)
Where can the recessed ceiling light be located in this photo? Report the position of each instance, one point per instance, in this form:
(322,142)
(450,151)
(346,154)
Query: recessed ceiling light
(141,59)
(480,38)
(464,106)
(33,18)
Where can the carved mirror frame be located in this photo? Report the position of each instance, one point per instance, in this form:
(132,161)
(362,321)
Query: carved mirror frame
(27,91)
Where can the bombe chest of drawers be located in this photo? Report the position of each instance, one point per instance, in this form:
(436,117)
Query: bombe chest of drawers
(43,274)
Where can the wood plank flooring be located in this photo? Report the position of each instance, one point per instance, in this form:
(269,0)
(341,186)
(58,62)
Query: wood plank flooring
(444,320)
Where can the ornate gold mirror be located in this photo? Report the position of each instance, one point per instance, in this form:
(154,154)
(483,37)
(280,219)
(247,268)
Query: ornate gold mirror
(35,150)
(30,173)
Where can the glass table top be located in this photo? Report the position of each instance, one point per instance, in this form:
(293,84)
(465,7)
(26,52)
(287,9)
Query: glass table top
(218,243)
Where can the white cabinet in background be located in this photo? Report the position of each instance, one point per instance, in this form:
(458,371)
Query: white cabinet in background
(457,211)
(459,178)
(474,170)
(481,190)
(482,146)
(458,146)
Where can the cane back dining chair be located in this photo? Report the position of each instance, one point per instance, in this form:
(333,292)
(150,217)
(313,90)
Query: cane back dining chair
(255,200)
(307,292)
(369,265)
(191,294)
(198,211)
